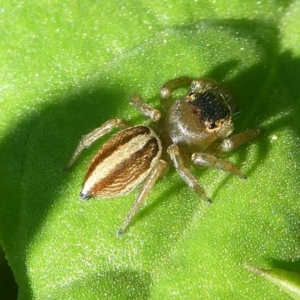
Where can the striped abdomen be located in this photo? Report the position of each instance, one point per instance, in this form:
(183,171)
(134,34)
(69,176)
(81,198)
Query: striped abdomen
(122,163)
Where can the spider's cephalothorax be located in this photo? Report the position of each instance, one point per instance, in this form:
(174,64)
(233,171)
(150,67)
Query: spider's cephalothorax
(192,130)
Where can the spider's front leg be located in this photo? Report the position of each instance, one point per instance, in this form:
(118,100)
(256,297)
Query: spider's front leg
(97,133)
(145,190)
(208,160)
(185,173)
(229,144)
(145,109)
(237,140)
(166,90)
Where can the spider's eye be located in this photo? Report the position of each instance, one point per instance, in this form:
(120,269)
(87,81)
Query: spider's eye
(212,125)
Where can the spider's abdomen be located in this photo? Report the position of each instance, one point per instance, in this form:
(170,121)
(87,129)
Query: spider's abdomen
(122,163)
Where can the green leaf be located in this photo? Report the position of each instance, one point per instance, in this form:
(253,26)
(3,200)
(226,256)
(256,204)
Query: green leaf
(288,281)
(67,67)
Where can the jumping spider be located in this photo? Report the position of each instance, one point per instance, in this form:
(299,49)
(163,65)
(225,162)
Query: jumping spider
(192,130)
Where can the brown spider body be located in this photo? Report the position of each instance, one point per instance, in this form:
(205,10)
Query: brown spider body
(201,118)
(192,130)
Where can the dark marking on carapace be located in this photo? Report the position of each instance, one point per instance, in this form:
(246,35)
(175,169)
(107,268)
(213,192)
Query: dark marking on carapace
(212,106)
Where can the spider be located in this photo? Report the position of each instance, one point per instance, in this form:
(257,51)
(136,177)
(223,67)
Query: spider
(193,130)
